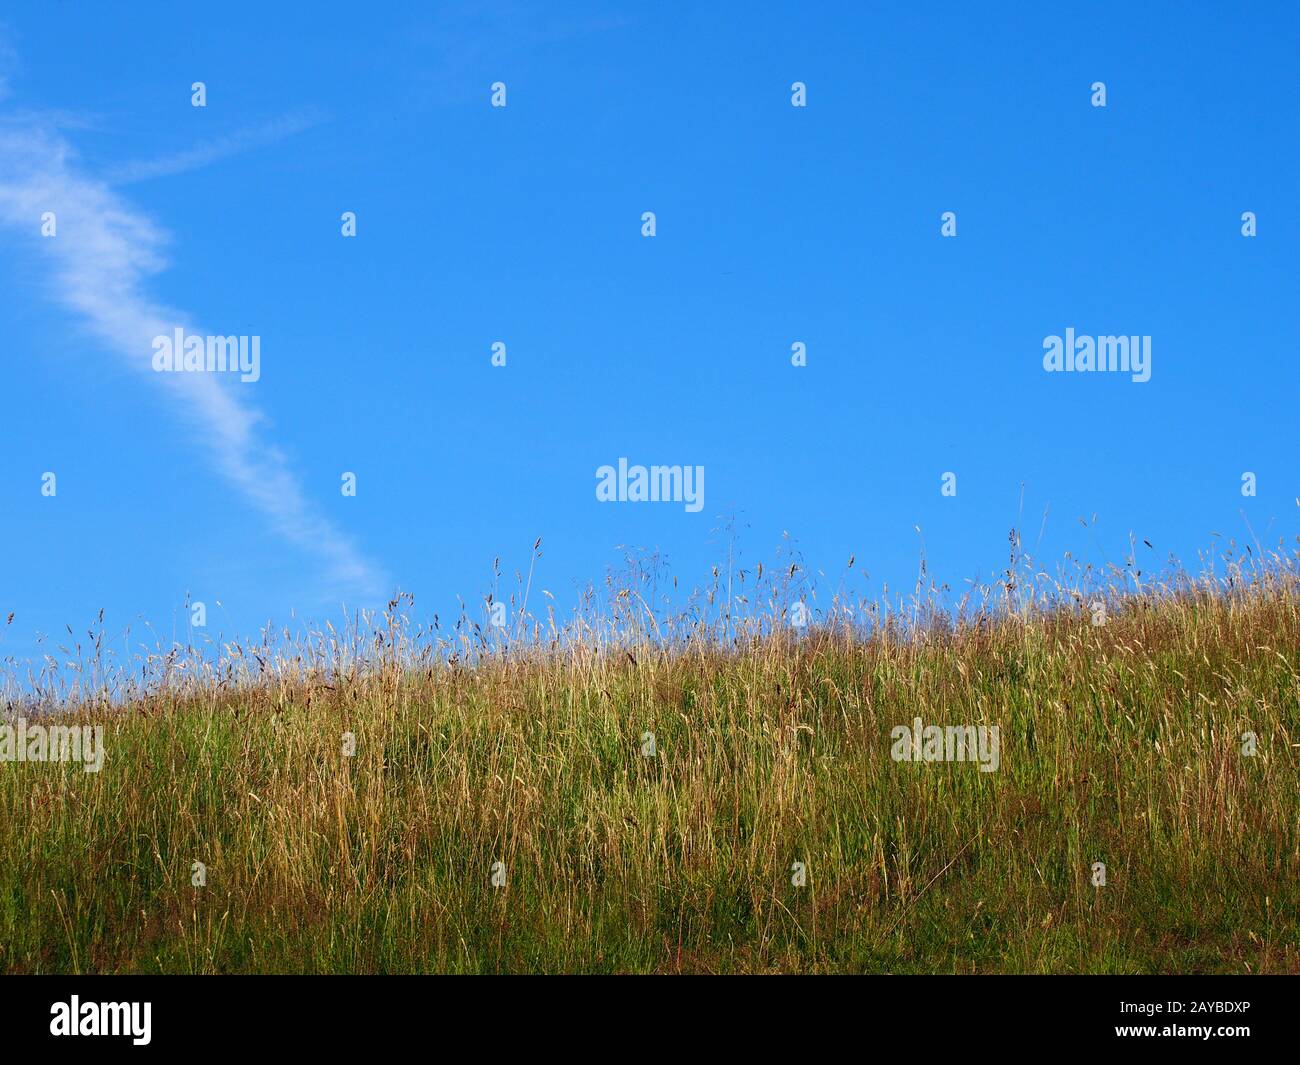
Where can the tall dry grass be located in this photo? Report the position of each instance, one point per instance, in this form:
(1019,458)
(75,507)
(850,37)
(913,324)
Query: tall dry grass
(1121,744)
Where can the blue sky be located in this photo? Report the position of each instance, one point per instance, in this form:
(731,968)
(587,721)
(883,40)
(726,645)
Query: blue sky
(522,224)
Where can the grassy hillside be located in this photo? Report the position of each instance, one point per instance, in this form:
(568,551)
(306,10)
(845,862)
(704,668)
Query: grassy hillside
(1120,743)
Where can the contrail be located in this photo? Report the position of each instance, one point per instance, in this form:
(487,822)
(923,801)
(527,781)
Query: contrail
(98,265)
(241,140)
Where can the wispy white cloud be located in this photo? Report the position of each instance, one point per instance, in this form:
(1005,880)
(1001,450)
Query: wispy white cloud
(241,140)
(98,265)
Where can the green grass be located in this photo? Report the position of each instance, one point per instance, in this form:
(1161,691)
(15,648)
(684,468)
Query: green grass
(1120,744)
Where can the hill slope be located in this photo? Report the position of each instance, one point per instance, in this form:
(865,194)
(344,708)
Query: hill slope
(1119,744)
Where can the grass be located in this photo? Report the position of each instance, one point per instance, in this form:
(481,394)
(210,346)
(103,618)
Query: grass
(1121,744)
